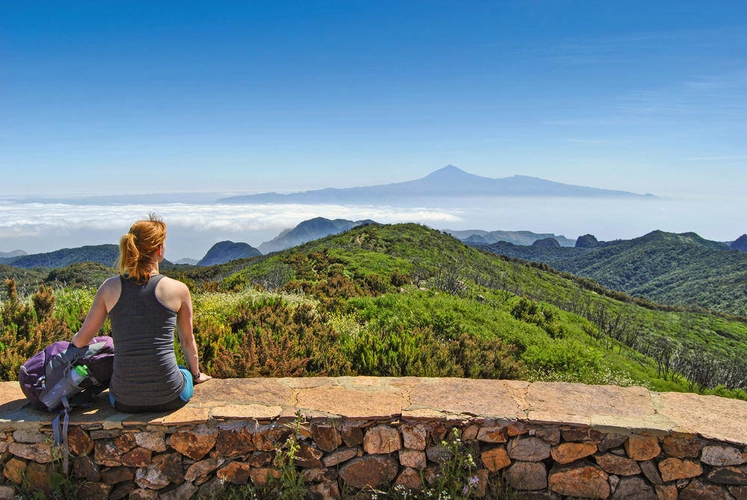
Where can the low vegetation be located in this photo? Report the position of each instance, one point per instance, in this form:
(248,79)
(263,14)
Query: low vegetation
(405,300)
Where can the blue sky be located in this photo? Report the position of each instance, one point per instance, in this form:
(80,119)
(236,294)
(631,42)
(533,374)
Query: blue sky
(140,97)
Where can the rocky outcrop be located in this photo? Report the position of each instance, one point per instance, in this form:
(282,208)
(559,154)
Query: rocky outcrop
(226,251)
(547,243)
(740,244)
(587,241)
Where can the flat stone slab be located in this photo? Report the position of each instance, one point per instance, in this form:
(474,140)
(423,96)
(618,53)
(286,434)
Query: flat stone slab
(607,408)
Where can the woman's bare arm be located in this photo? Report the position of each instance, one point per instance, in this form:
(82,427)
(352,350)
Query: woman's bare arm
(186,332)
(105,298)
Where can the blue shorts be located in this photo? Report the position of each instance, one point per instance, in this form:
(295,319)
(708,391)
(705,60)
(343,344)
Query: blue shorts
(183,399)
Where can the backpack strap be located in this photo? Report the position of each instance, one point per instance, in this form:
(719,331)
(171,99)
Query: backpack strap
(59,429)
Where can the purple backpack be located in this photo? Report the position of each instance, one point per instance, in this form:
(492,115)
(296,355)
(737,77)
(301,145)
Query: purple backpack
(39,375)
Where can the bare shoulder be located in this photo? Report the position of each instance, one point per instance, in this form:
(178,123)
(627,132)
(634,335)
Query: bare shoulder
(112,286)
(109,291)
(173,286)
(173,294)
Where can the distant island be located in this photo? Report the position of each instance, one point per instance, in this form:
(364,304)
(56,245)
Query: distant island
(447,182)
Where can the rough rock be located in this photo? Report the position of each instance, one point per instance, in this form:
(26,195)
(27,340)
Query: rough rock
(682,445)
(582,435)
(698,490)
(261,476)
(319,475)
(211,489)
(14,470)
(481,485)
(143,494)
(651,471)
(414,437)
(611,441)
(267,437)
(42,453)
(352,432)
(721,455)
(79,440)
(309,456)
(93,491)
(642,447)
(438,454)
(412,458)
(634,488)
(125,442)
(527,476)
(370,470)
(325,491)
(409,479)
(195,445)
(153,441)
(581,479)
(137,457)
(673,469)
(666,491)
(469,434)
(29,436)
(621,466)
(116,475)
(516,429)
(85,468)
(739,492)
(491,434)
(495,459)
(326,436)
(530,449)
(234,442)
(260,458)
(340,456)
(549,434)
(151,478)
(106,453)
(234,472)
(170,464)
(570,452)
(202,468)
(39,477)
(382,439)
(732,475)
(7,492)
(182,492)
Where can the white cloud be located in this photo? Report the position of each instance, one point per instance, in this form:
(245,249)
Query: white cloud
(46,227)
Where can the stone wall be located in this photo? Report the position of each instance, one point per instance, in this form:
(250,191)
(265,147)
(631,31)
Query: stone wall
(544,440)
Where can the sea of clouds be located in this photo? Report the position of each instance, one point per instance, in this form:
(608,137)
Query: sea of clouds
(194,227)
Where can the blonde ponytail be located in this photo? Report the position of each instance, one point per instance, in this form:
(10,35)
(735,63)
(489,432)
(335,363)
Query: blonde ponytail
(138,248)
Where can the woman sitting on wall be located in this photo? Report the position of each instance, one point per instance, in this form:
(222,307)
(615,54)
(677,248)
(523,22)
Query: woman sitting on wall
(144,307)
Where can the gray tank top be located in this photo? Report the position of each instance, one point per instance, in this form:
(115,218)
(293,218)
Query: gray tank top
(145,369)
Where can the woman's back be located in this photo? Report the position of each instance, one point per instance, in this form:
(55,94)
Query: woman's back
(143,332)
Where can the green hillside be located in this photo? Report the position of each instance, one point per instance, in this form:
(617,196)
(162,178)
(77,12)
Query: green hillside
(675,269)
(101,254)
(406,300)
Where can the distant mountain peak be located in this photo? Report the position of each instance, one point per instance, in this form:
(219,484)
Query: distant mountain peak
(446,182)
(447,170)
(226,251)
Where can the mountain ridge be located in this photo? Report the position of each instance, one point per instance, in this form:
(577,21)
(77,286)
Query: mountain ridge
(309,230)
(681,269)
(446,182)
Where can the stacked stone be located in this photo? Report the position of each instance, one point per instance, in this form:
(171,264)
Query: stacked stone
(151,461)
